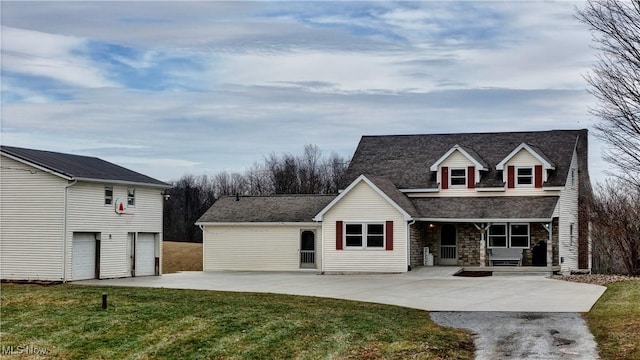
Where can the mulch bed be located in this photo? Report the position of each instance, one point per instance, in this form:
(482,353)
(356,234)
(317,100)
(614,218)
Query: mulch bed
(596,279)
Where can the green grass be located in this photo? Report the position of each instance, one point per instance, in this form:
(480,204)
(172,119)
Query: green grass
(615,321)
(140,323)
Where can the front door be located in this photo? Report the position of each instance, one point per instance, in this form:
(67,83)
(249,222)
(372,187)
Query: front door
(448,245)
(307,249)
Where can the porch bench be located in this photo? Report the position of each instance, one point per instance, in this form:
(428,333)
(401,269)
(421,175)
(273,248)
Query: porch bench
(505,257)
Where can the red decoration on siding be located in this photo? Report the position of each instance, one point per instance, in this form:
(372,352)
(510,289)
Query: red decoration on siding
(471,177)
(511,181)
(444,182)
(389,235)
(338,235)
(538,176)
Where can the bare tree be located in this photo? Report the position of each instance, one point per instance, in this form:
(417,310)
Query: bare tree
(615,81)
(616,228)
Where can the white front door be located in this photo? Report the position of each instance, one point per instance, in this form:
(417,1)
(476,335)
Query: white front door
(84,256)
(448,245)
(145,254)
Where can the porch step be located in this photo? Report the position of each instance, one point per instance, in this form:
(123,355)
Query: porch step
(520,273)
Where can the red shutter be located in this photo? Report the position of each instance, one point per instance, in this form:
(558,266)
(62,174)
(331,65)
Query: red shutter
(338,235)
(389,235)
(511,181)
(471,177)
(538,176)
(445,178)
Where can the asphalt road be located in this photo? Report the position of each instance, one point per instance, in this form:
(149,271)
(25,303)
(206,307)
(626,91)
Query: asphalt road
(522,335)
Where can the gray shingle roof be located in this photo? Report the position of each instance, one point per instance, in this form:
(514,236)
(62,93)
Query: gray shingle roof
(80,167)
(498,207)
(386,186)
(277,208)
(405,159)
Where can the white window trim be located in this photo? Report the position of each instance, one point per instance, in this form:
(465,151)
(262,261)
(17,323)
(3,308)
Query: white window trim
(132,197)
(533,176)
(466,178)
(510,235)
(506,235)
(105,196)
(364,234)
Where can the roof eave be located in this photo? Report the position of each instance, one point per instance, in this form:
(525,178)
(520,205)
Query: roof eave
(491,220)
(123,182)
(37,166)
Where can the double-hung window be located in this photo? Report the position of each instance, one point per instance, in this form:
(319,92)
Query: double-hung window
(108,195)
(498,236)
(364,236)
(519,236)
(509,235)
(524,176)
(131,197)
(458,177)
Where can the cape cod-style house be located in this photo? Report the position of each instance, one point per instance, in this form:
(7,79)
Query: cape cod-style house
(470,200)
(67,217)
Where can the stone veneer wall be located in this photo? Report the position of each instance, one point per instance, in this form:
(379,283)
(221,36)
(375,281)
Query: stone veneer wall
(422,235)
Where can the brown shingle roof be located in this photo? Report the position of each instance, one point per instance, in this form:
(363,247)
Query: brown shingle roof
(498,207)
(276,208)
(405,159)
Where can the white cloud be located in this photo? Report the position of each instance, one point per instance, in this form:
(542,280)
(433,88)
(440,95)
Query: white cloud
(53,56)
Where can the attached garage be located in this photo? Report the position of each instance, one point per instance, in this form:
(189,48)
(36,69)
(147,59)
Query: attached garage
(145,254)
(86,256)
(238,234)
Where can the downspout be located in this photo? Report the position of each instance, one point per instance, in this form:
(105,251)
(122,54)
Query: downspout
(413,221)
(64,227)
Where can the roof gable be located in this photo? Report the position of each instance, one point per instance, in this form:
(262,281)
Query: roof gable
(533,150)
(77,167)
(384,188)
(469,154)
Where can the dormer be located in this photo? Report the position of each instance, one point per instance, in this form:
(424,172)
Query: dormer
(526,167)
(459,168)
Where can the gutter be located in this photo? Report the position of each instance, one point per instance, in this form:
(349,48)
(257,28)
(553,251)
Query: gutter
(64,227)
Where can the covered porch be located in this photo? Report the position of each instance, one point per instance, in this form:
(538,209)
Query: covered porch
(489,234)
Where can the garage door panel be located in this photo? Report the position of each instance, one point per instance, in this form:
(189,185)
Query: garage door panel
(84,256)
(145,255)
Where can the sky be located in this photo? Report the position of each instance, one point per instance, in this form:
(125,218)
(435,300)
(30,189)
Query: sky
(171,88)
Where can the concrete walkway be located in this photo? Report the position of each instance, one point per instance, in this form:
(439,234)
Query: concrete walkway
(433,289)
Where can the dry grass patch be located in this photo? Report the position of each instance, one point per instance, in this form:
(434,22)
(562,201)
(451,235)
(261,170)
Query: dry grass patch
(615,321)
(181,256)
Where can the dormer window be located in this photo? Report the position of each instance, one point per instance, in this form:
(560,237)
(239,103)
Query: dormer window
(524,176)
(458,177)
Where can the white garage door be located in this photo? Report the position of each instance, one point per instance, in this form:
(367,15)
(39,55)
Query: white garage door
(84,256)
(145,255)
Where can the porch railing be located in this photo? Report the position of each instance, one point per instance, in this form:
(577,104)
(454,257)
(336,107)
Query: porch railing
(307,257)
(448,252)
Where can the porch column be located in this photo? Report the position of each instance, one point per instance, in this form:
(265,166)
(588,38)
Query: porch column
(483,242)
(549,228)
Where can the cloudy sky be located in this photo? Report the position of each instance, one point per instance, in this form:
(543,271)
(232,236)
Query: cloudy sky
(170,88)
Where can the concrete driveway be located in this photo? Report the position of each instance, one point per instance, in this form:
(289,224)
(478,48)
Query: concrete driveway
(432,289)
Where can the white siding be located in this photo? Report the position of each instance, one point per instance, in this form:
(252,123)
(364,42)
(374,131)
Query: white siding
(31,222)
(88,213)
(457,161)
(568,213)
(364,204)
(255,247)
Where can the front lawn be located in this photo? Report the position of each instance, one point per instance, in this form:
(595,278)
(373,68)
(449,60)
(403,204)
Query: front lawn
(615,321)
(67,322)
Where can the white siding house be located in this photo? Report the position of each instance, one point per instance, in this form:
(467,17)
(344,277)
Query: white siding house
(468,198)
(67,217)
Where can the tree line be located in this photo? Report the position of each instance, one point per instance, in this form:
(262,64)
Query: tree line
(191,195)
